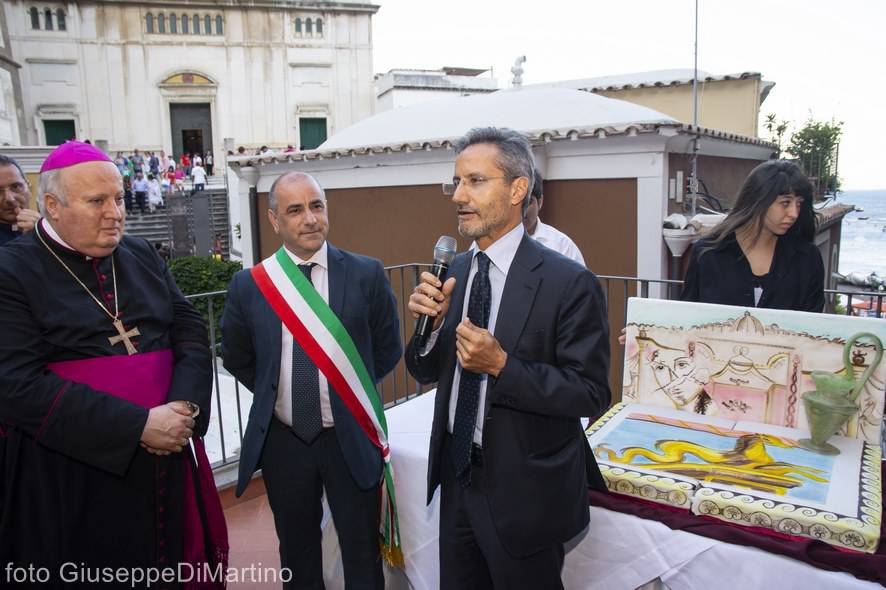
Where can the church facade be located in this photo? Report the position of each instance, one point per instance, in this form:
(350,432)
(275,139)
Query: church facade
(184,76)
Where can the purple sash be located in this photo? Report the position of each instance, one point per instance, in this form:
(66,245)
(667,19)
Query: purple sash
(144,379)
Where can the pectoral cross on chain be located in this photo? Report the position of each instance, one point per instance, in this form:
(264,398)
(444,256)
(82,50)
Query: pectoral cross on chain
(124,337)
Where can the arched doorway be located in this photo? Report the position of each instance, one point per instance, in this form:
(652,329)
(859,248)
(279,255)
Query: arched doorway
(190,97)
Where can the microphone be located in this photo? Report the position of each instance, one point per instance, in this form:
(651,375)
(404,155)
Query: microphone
(444,252)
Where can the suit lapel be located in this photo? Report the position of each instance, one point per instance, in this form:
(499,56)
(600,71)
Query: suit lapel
(519,294)
(337,279)
(269,326)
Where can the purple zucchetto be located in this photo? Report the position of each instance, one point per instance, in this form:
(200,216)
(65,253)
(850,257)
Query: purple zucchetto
(71,153)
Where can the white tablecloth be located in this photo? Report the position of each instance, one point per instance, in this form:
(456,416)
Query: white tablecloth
(620,551)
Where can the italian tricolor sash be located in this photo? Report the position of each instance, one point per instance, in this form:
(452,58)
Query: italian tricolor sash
(321,334)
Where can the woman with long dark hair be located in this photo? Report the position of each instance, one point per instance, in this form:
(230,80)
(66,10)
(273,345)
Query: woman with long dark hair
(761,254)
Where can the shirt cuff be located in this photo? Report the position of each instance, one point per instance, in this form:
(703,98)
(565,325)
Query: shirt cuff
(432,340)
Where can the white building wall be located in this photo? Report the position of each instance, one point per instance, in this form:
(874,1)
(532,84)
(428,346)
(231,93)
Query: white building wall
(9,130)
(105,72)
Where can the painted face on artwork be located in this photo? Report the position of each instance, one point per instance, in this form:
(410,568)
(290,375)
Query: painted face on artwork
(301,218)
(489,204)
(782,214)
(677,376)
(92,216)
(13,193)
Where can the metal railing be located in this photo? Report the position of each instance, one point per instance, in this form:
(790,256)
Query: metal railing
(870,296)
(231,400)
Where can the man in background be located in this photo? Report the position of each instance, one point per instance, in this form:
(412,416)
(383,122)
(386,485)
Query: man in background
(542,232)
(138,162)
(154,164)
(15,218)
(140,189)
(198,175)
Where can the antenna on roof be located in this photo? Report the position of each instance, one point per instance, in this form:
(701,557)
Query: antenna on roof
(517,70)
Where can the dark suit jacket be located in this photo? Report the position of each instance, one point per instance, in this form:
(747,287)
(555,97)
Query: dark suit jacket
(723,275)
(552,323)
(361,297)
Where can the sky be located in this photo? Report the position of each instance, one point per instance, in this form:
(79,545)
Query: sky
(825,56)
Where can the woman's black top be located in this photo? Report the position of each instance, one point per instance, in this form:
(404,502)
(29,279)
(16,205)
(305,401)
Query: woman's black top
(723,275)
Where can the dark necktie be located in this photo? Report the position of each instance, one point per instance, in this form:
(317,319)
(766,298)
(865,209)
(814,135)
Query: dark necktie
(469,385)
(306,420)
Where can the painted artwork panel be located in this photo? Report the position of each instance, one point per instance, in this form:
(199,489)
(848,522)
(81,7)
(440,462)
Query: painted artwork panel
(741,459)
(752,365)
(744,473)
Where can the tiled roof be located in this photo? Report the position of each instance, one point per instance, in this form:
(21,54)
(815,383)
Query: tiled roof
(536,138)
(653,79)
(665,78)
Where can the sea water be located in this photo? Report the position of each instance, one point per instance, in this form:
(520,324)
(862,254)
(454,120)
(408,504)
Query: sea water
(863,244)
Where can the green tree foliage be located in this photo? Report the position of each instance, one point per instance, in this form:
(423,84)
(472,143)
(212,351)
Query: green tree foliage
(777,130)
(815,146)
(200,274)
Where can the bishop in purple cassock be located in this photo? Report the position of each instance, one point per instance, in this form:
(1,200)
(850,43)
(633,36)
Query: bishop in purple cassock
(105,383)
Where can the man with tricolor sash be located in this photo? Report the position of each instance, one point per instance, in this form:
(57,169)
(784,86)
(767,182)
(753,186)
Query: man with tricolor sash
(310,331)
(105,376)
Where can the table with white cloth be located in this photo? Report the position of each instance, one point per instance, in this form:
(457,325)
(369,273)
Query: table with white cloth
(619,551)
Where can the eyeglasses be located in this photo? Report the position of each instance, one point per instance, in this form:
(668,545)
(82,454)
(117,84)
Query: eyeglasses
(472,182)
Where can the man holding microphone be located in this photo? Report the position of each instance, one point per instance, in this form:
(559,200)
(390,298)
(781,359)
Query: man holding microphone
(520,353)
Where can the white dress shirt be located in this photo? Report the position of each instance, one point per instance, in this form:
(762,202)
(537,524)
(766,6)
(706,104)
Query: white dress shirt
(501,254)
(557,241)
(283,407)
(199,175)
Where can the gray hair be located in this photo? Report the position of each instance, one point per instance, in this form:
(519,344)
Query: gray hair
(514,153)
(295,176)
(50,182)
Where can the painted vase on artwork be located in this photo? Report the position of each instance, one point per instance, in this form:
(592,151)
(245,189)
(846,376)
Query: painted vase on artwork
(834,400)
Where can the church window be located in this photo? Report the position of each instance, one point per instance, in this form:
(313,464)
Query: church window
(196,30)
(319,27)
(47,16)
(309,27)
(219,25)
(149,23)
(173,23)
(161,23)
(298,26)
(35,18)
(185,22)
(207,25)
(60,17)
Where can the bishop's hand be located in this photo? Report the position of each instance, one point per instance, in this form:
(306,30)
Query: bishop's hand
(167,430)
